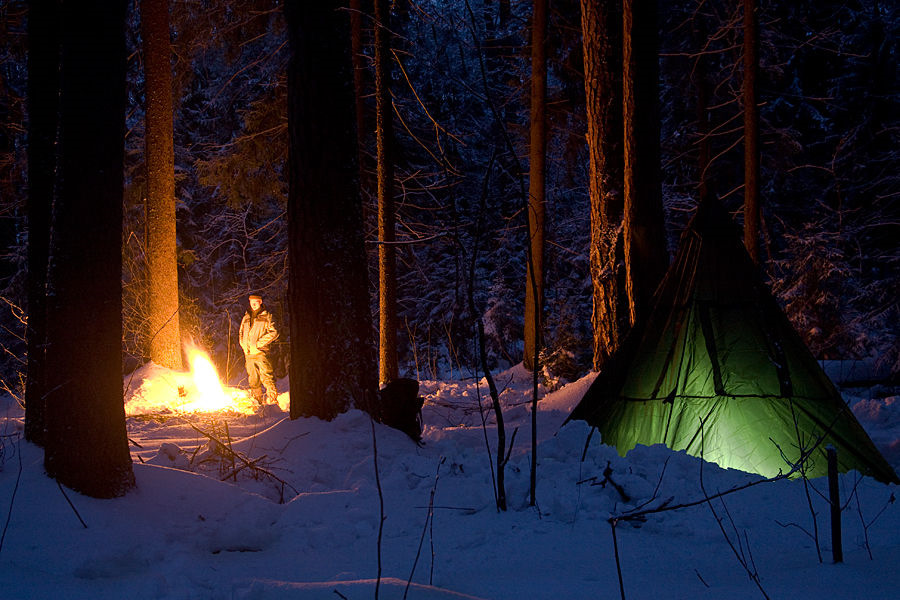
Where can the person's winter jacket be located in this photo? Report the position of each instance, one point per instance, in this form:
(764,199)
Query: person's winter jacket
(257,332)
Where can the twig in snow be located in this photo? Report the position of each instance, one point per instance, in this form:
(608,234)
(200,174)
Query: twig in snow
(866,525)
(429,518)
(700,577)
(748,565)
(380,503)
(75,510)
(612,524)
(806,484)
(12,500)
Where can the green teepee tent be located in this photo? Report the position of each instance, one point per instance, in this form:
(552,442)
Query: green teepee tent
(717,370)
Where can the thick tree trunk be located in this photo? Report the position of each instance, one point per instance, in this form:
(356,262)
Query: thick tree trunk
(359,70)
(601,25)
(646,257)
(534,280)
(751,132)
(43,107)
(360,11)
(86,444)
(332,354)
(164,332)
(387,253)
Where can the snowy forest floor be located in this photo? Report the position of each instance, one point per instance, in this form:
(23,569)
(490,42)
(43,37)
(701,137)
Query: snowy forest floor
(277,509)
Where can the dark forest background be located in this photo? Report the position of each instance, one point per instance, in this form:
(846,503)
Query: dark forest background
(830,183)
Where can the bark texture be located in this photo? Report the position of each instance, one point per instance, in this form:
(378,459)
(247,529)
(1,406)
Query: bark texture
(332,352)
(43,108)
(601,27)
(387,251)
(646,257)
(86,445)
(534,280)
(164,332)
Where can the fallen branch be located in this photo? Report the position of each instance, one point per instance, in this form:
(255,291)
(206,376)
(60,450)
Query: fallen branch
(246,461)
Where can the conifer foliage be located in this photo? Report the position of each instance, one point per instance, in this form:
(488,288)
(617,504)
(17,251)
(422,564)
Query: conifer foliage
(459,77)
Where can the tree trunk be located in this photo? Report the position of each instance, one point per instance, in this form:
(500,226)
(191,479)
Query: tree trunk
(600,25)
(646,257)
(43,107)
(164,333)
(332,354)
(86,443)
(387,253)
(751,132)
(534,281)
(359,13)
(359,70)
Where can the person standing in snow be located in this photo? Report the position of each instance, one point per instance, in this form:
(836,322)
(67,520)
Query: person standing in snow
(257,333)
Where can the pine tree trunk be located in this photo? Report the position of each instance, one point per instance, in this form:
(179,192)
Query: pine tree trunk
(751,132)
(332,351)
(359,15)
(646,257)
(600,25)
(387,253)
(86,443)
(43,107)
(534,281)
(164,333)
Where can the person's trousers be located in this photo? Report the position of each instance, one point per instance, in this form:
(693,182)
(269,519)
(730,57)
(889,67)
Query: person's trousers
(260,373)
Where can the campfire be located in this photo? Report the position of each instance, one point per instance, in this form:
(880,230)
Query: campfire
(153,390)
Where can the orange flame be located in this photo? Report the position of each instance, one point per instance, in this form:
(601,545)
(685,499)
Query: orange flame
(200,390)
(210,395)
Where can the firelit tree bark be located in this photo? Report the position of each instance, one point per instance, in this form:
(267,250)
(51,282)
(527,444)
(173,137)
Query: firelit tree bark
(86,445)
(534,279)
(751,131)
(332,354)
(164,332)
(646,257)
(601,27)
(43,108)
(387,252)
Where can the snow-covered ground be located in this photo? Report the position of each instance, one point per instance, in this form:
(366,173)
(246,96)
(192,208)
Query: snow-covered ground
(302,521)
